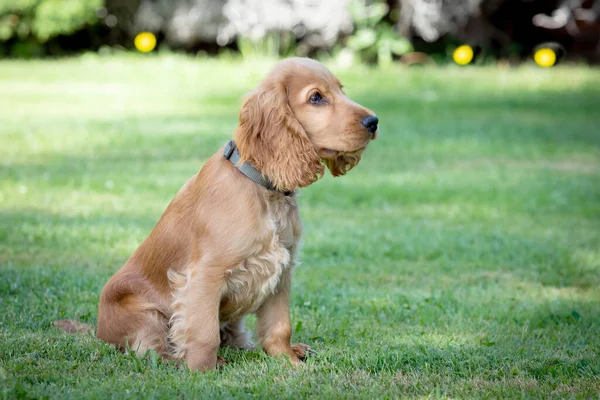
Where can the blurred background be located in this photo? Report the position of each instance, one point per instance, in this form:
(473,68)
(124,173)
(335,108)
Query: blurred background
(460,259)
(408,31)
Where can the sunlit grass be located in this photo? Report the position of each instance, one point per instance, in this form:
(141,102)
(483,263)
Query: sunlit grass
(460,258)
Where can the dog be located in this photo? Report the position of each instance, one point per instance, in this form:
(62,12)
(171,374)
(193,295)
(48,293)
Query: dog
(226,244)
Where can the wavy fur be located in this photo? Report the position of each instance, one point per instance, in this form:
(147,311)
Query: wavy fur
(270,137)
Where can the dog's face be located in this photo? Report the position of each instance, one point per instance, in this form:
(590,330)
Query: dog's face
(335,124)
(299,118)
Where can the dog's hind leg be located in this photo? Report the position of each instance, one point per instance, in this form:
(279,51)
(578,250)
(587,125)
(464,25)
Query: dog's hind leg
(152,335)
(128,319)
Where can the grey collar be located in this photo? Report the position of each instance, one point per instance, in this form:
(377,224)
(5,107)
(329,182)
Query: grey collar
(231,153)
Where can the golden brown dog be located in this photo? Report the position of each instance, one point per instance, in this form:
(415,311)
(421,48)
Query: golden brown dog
(225,246)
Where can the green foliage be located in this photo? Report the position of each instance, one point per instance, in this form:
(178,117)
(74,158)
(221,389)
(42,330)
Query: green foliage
(374,39)
(459,259)
(59,17)
(272,45)
(44,19)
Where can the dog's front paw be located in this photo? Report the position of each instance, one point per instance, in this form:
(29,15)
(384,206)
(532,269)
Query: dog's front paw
(301,350)
(202,361)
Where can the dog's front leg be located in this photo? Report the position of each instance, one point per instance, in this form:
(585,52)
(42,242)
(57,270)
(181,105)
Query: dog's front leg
(274,328)
(202,338)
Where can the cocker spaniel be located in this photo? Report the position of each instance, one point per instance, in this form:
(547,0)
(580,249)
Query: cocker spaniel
(225,246)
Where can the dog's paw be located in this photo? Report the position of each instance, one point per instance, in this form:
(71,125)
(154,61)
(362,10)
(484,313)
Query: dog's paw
(182,364)
(301,350)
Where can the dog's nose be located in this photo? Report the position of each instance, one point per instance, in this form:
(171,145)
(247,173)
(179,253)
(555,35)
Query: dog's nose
(370,123)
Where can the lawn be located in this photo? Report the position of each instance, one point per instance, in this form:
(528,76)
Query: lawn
(461,258)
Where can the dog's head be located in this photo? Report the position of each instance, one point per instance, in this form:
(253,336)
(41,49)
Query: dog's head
(299,118)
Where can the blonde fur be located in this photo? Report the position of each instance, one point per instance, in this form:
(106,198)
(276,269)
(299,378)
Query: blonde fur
(225,246)
(180,283)
(248,284)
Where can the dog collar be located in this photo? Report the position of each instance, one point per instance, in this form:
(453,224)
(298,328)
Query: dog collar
(231,153)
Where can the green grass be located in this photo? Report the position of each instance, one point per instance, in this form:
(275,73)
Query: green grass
(461,258)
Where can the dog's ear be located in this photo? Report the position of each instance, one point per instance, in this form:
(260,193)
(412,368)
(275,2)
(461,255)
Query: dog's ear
(270,137)
(342,163)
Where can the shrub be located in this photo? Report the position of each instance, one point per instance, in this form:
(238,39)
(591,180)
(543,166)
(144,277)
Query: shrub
(374,39)
(41,20)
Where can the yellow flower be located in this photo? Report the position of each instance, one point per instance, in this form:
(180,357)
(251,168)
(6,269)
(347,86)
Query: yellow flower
(545,57)
(463,55)
(145,42)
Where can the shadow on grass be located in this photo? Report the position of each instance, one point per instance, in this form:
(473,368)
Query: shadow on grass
(55,263)
(516,365)
(455,369)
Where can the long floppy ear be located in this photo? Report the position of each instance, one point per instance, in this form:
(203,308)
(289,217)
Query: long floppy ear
(343,163)
(270,137)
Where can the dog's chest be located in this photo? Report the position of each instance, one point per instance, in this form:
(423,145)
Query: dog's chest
(250,283)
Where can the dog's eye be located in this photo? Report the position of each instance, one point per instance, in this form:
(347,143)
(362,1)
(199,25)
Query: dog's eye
(316,98)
